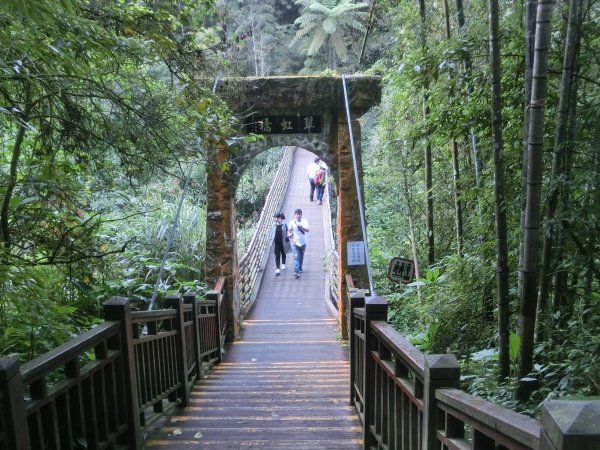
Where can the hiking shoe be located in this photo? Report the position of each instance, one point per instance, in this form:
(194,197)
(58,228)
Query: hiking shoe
(296,275)
(283,267)
(276,271)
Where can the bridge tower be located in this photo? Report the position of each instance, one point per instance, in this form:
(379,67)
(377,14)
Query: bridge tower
(306,112)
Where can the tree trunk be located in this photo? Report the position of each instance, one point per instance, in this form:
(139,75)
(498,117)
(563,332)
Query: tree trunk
(534,184)
(427,157)
(454,154)
(472,138)
(530,14)
(499,194)
(411,229)
(587,296)
(560,274)
(560,147)
(12,177)
(457,199)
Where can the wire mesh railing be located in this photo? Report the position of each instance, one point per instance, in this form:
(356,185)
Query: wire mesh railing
(333,257)
(253,262)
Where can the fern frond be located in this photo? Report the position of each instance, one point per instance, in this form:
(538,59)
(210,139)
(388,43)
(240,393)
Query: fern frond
(317,41)
(339,45)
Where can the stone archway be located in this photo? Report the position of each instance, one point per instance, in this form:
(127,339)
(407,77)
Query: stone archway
(307,112)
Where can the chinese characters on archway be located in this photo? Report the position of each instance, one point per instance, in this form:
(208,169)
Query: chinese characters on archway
(285,124)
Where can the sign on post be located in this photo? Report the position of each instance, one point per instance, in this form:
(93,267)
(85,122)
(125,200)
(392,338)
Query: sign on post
(401,270)
(356,253)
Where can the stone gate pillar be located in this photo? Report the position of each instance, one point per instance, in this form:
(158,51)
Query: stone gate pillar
(348,218)
(221,246)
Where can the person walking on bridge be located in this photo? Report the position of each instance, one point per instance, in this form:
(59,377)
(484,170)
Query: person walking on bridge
(297,230)
(311,171)
(281,241)
(319,182)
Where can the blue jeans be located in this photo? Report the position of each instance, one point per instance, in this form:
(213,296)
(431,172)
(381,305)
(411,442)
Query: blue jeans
(312,189)
(298,257)
(320,191)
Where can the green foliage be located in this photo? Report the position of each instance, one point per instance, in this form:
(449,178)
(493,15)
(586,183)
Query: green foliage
(453,307)
(251,193)
(98,101)
(35,316)
(258,31)
(144,236)
(329,22)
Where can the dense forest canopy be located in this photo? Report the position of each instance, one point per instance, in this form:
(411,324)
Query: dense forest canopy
(481,164)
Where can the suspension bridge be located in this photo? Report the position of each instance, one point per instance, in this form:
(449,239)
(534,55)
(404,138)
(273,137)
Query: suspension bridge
(266,361)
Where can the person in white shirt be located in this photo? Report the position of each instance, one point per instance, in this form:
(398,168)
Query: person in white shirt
(313,167)
(297,230)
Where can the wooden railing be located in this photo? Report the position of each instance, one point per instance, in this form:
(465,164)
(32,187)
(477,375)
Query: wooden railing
(253,262)
(98,390)
(411,401)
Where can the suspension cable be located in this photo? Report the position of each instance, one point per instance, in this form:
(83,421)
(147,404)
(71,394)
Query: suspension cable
(175,221)
(358,192)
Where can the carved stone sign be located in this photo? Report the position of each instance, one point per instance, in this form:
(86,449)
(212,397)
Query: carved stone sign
(285,124)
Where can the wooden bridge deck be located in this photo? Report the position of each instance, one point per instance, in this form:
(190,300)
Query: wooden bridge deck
(285,383)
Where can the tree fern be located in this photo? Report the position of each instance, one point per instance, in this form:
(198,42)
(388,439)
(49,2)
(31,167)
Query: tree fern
(329,22)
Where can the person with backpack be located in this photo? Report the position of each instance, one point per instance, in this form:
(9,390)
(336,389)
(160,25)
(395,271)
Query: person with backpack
(319,182)
(281,241)
(311,171)
(297,230)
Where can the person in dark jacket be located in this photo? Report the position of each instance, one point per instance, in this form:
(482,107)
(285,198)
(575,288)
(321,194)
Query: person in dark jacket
(281,242)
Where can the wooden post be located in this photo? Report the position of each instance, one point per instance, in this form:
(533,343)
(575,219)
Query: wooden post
(190,298)
(357,300)
(573,424)
(119,309)
(441,371)
(217,296)
(12,413)
(376,309)
(174,301)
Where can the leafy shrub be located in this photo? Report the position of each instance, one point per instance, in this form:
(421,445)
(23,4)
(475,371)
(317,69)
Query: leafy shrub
(144,237)
(33,319)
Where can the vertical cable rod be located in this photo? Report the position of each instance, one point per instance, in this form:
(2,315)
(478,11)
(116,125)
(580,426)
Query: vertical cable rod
(357,180)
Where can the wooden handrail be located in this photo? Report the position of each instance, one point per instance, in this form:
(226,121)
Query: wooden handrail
(505,426)
(220,285)
(65,353)
(349,281)
(399,346)
(409,400)
(114,379)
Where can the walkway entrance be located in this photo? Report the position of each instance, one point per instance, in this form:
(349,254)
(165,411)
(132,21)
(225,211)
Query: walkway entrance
(285,383)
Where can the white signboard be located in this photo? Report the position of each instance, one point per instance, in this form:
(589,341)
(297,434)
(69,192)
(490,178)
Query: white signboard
(356,253)
(401,270)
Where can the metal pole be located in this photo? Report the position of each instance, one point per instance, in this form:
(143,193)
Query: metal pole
(358,192)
